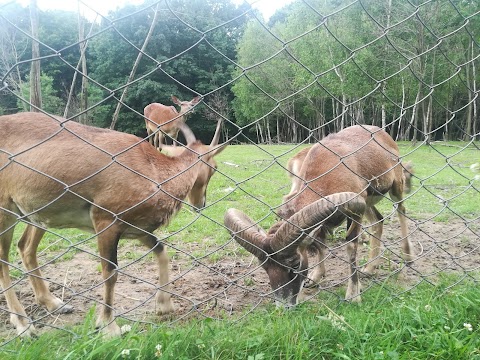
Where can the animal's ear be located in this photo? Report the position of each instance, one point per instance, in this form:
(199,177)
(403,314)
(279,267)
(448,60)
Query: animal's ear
(175,100)
(196,99)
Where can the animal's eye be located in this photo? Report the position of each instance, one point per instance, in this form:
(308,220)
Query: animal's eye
(294,268)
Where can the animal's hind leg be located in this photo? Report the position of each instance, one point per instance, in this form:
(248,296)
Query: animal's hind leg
(407,248)
(27,246)
(158,140)
(376,219)
(406,244)
(18,316)
(107,238)
(354,287)
(151,139)
(163,298)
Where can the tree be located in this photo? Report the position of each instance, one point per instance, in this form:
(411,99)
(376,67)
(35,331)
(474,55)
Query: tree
(135,66)
(189,52)
(409,67)
(35,87)
(14,46)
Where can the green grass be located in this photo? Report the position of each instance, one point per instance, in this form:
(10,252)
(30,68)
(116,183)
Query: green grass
(426,322)
(442,184)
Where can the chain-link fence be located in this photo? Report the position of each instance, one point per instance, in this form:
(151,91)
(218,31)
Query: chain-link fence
(270,89)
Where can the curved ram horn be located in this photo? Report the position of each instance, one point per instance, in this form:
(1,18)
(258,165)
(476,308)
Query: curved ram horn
(187,133)
(245,232)
(331,210)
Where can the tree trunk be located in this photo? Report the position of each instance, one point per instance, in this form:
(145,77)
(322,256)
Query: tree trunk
(468,123)
(344,112)
(401,135)
(474,87)
(384,83)
(339,117)
(413,119)
(83,60)
(134,69)
(260,138)
(35,85)
(447,117)
(427,121)
(427,126)
(269,135)
(320,121)
(81,63)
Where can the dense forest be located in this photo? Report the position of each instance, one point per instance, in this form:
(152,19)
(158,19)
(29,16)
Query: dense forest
(314,67)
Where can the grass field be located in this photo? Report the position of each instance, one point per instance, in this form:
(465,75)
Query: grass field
(430,321)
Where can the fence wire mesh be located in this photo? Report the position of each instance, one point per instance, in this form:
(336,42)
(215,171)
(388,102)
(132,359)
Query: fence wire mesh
(277,87)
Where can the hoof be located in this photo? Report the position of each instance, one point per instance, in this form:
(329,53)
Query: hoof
(23,325)
(355,299)
(163,309)
(27,332)
(310,283)
(164,304)
(56,306)
(64,309)
(369,271)
(109,331)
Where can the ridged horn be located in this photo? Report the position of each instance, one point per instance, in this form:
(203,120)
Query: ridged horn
(330,211)
(187,133)
(245,232)
(216,138)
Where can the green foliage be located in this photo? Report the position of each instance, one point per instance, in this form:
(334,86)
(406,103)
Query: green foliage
(297,72)
(202,67)
(203,32)
(50,102)
(368,55)
(13,47)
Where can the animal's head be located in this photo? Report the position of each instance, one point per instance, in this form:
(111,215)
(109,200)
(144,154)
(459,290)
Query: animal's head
(206,165)
(280,251)
(185,106)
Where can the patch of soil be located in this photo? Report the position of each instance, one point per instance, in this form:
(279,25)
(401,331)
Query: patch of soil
(234,285)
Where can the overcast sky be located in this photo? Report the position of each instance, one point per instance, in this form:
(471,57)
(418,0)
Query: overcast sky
(267,7)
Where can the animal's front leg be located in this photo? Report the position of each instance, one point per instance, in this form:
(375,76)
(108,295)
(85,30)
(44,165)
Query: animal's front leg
(376,219)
